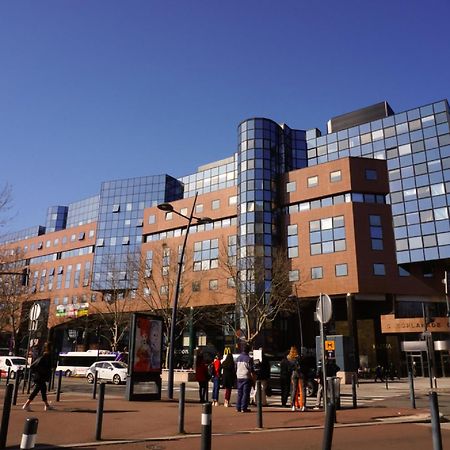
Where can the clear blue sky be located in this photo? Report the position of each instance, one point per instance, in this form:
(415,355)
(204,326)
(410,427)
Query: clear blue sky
(105,89)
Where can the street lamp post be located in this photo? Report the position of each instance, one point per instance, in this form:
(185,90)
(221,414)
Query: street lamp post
(169,208)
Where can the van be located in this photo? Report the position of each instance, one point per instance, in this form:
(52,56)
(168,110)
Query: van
(14,363)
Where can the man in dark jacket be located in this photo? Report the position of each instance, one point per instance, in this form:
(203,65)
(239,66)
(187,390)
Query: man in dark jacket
(41,370)
(285,379)
(244,376)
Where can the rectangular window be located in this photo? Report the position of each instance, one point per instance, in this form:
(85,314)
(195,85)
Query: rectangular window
(116,208)
(81,235)
(87,273)
(213,285)
(184,211)
(100,242)
(371,174)
(292,241)
(231,283)
(376,232)
(313,181)
(379,269)
(76,276)
(335,176)
(341,270)
(291,186)
(316,273)
(169,215)
(68,276)
(206,254)
(195,286)
(294,275)
(215,204)
(199,208)
(327,235)
(151,219)
(232,200)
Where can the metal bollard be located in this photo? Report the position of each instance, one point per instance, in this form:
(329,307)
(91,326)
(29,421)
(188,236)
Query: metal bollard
(412,395)
(5,415)
(207,392)
(16,387)
(58,387)
(329,427)
(29,433)
(354,398)
(206,426)
(94,388)
(8,376)
(435,423)
(259,416)
(386,381)
(181,408)
(99,418)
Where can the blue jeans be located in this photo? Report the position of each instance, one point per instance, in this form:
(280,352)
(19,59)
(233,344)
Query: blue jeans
(243,394)
(216,387)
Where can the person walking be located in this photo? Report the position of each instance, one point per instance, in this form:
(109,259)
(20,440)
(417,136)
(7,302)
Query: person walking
(244,375)
(285,379)
(319,381)
(41,370)
(215,379)
(228,378)
(297,385)
(379,374)
(201,376)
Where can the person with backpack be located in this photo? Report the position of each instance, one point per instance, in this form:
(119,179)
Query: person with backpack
(41,370)
(214,370)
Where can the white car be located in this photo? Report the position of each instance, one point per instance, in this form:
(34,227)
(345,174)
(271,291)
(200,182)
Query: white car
(15,363)
(114,371)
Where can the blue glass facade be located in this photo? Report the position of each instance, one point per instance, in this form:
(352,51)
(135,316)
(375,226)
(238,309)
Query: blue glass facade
(416,145)
(119,226)
(265,151)
(83,211)
(56,218)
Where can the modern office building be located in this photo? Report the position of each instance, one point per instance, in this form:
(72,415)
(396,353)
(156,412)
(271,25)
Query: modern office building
(360,213)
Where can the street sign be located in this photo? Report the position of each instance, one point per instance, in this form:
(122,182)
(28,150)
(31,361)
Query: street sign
(33,325)
(35,311)
(324,308)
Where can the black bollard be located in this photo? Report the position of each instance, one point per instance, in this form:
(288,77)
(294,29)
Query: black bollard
(181,408)
(259,416)
(8,377)
(100,405)
(94,388)
(386,381)
(412,395)
(206,426)
(5,415)
(354,398)
(329,427)
(16,387)
(435,423)
(207,392)
(58,387)
(29,433)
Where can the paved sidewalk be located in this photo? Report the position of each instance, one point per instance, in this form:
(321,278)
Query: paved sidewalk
(73,421)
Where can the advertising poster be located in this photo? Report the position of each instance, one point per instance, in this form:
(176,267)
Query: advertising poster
(147,345)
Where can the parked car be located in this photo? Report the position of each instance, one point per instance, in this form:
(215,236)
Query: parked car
(15,363)
(274,386)
(114,371)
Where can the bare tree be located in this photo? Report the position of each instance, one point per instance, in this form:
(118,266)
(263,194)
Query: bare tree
(118,300)
(13,293)
(254,302)
(158,275)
